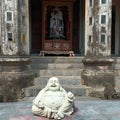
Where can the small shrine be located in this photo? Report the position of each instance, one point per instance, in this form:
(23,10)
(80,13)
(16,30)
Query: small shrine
(57,27)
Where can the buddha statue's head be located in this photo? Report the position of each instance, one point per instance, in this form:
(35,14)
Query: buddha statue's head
(53,84)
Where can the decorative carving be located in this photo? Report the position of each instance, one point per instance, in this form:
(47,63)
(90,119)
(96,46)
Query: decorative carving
(10,48)
(48,46)
(53,101)
(66,46)
(57,46)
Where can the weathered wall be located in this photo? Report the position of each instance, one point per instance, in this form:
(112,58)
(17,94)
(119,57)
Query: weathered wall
(23,27)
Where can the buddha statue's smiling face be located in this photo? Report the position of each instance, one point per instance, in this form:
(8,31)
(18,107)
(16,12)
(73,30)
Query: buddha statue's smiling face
(53,84)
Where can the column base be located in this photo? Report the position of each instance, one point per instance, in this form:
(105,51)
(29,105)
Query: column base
(15,74)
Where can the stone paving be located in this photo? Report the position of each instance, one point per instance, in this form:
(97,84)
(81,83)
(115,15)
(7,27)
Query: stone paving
(85,110)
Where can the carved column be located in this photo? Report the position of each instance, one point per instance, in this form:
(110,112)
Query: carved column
(97,63)
(15,27)
(15,72)
(98,27)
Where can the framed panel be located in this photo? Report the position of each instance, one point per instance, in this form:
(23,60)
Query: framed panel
(10,36)
(103,19)
(9,16)
(102,38)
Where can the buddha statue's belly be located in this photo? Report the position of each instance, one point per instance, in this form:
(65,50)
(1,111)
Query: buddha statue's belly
(53,100)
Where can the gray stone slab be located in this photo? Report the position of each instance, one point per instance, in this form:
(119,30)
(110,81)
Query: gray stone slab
(56,65)
(39,59)
(77,90)
(85,110)
(58,72)
(64,80)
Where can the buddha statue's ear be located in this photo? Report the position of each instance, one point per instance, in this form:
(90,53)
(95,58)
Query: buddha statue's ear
(46,88)
(61,89)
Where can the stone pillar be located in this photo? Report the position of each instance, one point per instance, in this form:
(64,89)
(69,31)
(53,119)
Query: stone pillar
(15,27)
(97,62)
(98,27)
(15,71)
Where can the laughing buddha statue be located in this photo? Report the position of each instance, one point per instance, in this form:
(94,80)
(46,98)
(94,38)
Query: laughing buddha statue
(53,101)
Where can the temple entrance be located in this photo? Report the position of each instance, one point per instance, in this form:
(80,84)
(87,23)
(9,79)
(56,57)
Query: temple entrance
(77,29)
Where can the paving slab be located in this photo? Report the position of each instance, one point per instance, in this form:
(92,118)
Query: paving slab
(85,110)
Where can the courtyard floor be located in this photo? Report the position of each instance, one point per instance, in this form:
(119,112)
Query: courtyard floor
(85,110)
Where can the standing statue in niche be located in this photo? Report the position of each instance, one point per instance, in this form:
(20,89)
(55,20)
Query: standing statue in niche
(56,24)
(53,101)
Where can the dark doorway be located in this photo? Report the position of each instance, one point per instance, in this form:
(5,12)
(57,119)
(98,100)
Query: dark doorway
(76,12)
(113,30)
(36,25)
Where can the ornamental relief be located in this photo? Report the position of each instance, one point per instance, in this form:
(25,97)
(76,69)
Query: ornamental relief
(66,46)
(57,46)
(48,46)
(10,48)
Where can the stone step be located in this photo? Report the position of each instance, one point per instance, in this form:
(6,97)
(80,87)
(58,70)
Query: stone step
(77,98)
(77,90)
(86,109)
(117,59)
(67,69)
(39,59)
(64,80)
(60,72)
(56,65)
(117,72)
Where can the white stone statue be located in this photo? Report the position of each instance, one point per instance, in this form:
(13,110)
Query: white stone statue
(53,101)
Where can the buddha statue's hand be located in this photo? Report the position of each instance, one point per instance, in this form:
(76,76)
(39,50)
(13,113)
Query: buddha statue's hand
(60,114)
(41,105)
